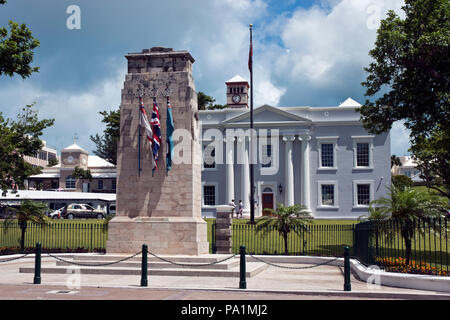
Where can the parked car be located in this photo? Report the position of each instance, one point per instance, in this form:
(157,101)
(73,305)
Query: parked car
(55,214)
(81,210)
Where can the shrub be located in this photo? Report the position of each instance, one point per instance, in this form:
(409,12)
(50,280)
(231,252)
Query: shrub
(402,181)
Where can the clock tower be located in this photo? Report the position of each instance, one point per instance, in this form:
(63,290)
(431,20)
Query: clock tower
(237,92)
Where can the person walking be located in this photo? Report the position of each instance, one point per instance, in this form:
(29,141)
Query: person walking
(233,209)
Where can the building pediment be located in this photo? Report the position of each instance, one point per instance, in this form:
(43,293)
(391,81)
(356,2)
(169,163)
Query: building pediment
(266,115)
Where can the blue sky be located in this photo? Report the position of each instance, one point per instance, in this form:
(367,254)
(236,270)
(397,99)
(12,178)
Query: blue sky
(306,53)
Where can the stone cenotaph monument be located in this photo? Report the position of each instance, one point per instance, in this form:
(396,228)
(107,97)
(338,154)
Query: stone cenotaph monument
(162,210)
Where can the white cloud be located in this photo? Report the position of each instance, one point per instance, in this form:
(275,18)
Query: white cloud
(73,112)
(400,141)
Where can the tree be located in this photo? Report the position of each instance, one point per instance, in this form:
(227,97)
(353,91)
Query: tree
(395,161)
(16,50)
(106,145)
(406,205)
(17,139)
(401,181)
(21,137)
(375,216)
(52,162)
(82,174)
(410,73)
(206,102)
(432,156)
(286,219)
(29,211)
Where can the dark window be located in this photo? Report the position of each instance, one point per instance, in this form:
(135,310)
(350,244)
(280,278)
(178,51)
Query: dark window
(209,195)
(362,155)
(100,184)
(328,194)
(363,194)
(70,182)
(327,155)
(114,184)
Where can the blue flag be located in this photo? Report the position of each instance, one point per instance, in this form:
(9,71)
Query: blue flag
(169,139)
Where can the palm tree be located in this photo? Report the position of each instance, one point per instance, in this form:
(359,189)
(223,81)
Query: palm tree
(29,211)
(407,204)
(375,217)
(284,220)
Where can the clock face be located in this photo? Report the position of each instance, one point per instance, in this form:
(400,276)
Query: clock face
(236,98)
(69,159)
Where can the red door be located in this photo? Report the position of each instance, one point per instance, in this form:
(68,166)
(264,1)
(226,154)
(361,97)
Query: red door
(267,203)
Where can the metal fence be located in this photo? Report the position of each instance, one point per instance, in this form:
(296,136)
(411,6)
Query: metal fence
(90,236)
(423,242)
(317,240)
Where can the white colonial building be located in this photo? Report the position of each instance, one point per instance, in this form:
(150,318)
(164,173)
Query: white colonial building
(320,157)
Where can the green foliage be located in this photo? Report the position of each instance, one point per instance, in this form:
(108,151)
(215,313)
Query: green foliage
(206,102)
(401,181)
(406,205)
(106,144)
(395,161)
(410,203)
(80,173)
(432,154)
(284,220)
(412,67)
(17,139)
(29,211)
(16,50)
(411,63)
(52,162)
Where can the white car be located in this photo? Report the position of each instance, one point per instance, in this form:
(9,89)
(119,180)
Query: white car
(55,214)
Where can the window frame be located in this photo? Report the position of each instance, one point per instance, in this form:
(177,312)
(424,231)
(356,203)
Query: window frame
(371,184)
(72,179)
(369,141)
(320,205)
(216,194)
(327,140)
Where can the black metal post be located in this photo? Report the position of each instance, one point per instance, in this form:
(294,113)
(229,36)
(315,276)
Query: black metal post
(252,177)
(144,266)
(347,285)
(37,264)
(242,280)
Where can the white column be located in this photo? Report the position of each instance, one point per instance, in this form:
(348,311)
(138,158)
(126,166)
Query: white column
(289,171)
(306,194)
(245,176)
(229,165)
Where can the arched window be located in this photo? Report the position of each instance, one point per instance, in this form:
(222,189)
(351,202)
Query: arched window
(267,190)
(70,182)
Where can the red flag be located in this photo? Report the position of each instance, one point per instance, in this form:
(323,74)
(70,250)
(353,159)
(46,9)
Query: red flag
(250,58)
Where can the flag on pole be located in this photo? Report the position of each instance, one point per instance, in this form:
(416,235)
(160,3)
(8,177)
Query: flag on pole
(148,129)
(250,56)
(169,139)
(156,127)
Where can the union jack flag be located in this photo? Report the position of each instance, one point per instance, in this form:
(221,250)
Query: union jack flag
(156,126)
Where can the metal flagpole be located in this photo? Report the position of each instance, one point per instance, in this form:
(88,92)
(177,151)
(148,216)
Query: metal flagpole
(139,137)
(252,178)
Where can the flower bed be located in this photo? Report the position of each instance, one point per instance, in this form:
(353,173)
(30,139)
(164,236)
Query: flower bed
(399,265)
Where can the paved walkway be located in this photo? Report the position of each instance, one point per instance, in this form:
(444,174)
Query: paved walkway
(323,282)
